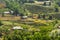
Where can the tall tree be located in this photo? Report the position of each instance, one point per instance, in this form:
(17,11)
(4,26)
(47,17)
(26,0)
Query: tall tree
(15,5)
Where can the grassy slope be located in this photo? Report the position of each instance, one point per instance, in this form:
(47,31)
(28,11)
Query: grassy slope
(44,30)
(38,9)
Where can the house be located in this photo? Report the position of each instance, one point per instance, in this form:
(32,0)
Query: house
(8,12)
(17,28)
(45,3)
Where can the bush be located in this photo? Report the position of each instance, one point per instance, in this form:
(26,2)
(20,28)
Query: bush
(1,23)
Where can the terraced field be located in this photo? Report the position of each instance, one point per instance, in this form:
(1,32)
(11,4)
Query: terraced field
(36,31)
(10,18)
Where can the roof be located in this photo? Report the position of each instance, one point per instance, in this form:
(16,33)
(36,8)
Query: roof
(17,27)
(6,12)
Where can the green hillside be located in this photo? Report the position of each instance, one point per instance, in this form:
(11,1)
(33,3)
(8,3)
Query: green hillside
(39,9)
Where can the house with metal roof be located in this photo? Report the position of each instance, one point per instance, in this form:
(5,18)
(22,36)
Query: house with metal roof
(44,2)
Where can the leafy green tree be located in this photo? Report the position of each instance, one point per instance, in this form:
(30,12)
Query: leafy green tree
(2,10)
(16,6)
(0,23)
(56,8)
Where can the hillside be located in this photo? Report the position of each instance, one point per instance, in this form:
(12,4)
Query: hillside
(30,20)
(39,9)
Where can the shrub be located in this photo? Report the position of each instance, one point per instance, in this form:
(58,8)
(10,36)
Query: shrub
(1,23)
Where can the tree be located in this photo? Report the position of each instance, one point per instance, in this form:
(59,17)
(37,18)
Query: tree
(56,8)
(57,2)
(1,23)
(16,6)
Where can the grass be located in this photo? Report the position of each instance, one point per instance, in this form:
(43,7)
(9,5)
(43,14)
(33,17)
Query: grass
(10,18)
(44,30)
(8,23)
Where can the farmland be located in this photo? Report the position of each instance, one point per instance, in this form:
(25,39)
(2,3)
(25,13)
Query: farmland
(28,20)
(39,30)
(31,32)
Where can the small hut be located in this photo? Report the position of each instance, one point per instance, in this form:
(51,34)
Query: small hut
(17,28)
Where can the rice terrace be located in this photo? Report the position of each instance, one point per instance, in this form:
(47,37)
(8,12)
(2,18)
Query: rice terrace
(29,19)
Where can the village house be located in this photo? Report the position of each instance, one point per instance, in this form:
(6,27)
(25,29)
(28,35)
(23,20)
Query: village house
(45,3)
(40,2)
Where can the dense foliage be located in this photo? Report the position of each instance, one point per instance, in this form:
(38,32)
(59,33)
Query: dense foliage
(30,32)
(39,30)
(39,9)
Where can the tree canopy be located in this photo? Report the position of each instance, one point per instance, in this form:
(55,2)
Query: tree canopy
(15,5)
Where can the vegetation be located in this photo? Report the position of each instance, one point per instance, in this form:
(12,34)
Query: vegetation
(39,9)
(33,29)
(29,32)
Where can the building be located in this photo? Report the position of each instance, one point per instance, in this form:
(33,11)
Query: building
(42,2)
(17,28)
